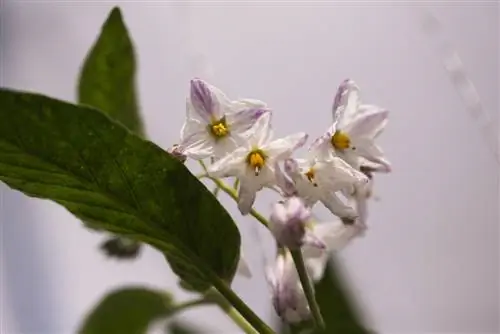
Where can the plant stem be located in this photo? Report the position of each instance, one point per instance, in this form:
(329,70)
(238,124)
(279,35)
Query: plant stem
(308,288)
(237,310)
(191,303)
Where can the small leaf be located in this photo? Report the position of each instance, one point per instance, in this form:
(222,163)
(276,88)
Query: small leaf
(107,77)
(130,310)
(102,173)
(107,82)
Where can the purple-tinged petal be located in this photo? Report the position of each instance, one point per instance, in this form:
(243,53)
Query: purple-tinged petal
(202,99)
(286,186)
(244,119)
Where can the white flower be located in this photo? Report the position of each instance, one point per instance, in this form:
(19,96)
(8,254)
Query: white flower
(288,222)
(288,296)
(359,196)
(354,130)
(319,180)
(254,163)
(215,126)
(335,235)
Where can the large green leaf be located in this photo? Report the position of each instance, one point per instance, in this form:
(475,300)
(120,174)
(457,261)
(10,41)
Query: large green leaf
(107,82)
(337,306)
(104,174)
(107,78)
(127,311)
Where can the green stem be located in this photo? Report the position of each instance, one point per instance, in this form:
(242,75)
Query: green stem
(191,303)
(241,314)
(308,288)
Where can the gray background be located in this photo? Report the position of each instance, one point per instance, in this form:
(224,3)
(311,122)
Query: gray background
(429,263)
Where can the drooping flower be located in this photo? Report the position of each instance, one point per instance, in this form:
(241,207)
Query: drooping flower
(216,126)
(320,180)
(243,268)
(359,196)
(288,223)
(254,162)
(335,235)
(354,130)
(288,296)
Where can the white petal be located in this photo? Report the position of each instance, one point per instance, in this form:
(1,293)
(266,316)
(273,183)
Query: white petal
(346,104)
(321,148)
(370,151)
(195,115)
(243,267)
(336,235)
(248,103)
(261,132)
(369,108)
(367,124)
(195,144)
(246,196)
(233,164)
(316,265)
(336,206)
(224,146)
(283,148)
(362,209)
(285,185)
(243,120)
(336,173)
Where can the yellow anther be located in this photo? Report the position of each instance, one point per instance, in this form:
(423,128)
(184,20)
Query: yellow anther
(340,140)
(256,160)
(310,176)
(219,128)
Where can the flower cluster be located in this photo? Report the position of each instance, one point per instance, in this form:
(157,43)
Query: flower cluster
(337,171)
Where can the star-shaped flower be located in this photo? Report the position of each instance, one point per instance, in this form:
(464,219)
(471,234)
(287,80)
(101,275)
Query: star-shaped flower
(354,130)
(254,162)
(319,180)
(216,126)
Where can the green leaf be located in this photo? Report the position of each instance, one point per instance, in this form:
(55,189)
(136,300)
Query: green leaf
(107,78)
(337,305)
(130,310)
(107,82)
(104,174)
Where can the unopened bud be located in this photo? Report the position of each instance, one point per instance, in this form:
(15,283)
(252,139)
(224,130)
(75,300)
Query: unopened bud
(176,152)
(288,224)
(288,297)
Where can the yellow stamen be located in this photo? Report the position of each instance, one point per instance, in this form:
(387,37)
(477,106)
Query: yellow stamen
(340,140)
(256,160)
(219,128)
(310,176)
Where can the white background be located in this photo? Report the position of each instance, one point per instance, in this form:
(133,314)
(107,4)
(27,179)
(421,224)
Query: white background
(430,262)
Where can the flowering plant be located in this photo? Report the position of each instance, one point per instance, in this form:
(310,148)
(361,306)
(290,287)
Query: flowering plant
(92,158)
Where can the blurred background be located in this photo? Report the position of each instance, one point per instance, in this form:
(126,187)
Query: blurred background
(430,260)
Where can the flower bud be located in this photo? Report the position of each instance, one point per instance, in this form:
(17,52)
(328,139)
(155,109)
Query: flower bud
(288,296)
(288,224)
(177,153)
